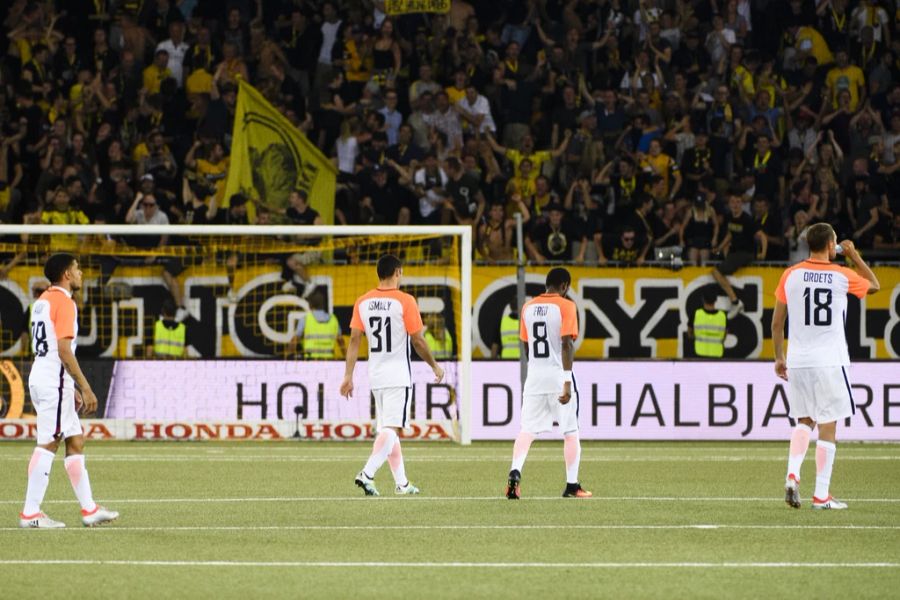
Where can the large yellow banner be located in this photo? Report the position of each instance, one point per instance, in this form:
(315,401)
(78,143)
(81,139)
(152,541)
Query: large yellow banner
(623,313)
(402,7)
(270,158)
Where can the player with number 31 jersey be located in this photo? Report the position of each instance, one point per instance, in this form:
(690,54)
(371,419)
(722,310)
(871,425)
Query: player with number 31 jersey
(813,293)
(391,322)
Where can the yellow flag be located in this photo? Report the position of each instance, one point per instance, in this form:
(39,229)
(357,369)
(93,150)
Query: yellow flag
(270,158)
(402,7)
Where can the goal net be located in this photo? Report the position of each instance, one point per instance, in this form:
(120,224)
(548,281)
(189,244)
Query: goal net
(221,325)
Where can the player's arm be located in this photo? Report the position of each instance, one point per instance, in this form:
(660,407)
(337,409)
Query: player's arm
(779,317)
(67,358)
(864,270)
(421,347)
(350,362)
(568,357)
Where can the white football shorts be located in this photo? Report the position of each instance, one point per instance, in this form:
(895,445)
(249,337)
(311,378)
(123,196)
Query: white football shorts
(540,411)
(820,393)
(392,407)
(56,414)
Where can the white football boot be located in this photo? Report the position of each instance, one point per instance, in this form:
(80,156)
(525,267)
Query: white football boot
(406,490)
(367,484)
(829,503)
(39,521)
(98,516)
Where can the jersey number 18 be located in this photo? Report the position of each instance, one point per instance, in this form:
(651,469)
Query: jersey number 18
(817,303)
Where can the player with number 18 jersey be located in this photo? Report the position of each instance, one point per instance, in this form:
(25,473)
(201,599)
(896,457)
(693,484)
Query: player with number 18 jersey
(813,295)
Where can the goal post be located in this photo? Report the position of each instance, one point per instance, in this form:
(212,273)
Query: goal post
(245,289)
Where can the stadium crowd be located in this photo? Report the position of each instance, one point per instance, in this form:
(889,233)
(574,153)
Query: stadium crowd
(620,129)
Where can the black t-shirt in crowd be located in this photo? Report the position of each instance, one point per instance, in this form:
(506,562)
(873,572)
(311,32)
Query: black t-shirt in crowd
(742,230)
(465,194)
(770,224)
(556,244)
(307,217)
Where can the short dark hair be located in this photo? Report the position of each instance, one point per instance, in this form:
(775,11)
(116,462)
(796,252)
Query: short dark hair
(709,295)
(818,236)
(57,265)
(558,277)
(387,266)
(167,309)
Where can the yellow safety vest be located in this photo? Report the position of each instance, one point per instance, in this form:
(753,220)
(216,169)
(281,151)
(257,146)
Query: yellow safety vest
(441,350)
(509,337)
(168,342)
(709,333)
(319,338)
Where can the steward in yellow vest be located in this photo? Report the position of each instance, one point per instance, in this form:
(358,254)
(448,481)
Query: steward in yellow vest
(169,336)
(509,336)
(320,332)
(709,328)
(439,340)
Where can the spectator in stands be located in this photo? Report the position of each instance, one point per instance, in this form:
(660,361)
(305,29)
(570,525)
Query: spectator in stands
(740,247)
(553,240)
(630,100)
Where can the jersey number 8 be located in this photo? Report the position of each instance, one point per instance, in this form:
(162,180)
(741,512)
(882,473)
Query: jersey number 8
(39,338)
(541,347)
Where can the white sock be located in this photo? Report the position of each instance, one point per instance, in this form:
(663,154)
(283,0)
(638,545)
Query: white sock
(382,447)
(81,485)
(572,453)
(520,450)
(798,448)
(398,469)
(38,480)
(824,463)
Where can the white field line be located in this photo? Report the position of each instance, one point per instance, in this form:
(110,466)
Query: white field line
(443,459)
(290,528)
(353,448)
(460,565)
(762,499)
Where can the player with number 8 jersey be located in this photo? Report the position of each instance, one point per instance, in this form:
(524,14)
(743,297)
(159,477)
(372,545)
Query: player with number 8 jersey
(391,322)
(549,327)
(814,293)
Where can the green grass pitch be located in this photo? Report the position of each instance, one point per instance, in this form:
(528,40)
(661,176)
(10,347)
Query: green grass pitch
(256,520)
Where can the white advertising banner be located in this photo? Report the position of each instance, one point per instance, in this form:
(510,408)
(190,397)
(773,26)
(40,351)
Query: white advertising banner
(617,400)
(686,400)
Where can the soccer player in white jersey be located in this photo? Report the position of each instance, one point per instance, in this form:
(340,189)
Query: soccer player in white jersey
(390,320)
(54,328)
(814,293)
(549,326)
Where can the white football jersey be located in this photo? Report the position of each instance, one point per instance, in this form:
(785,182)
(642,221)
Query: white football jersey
(816,296)
(543,322)
(388,318)
(54,316)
